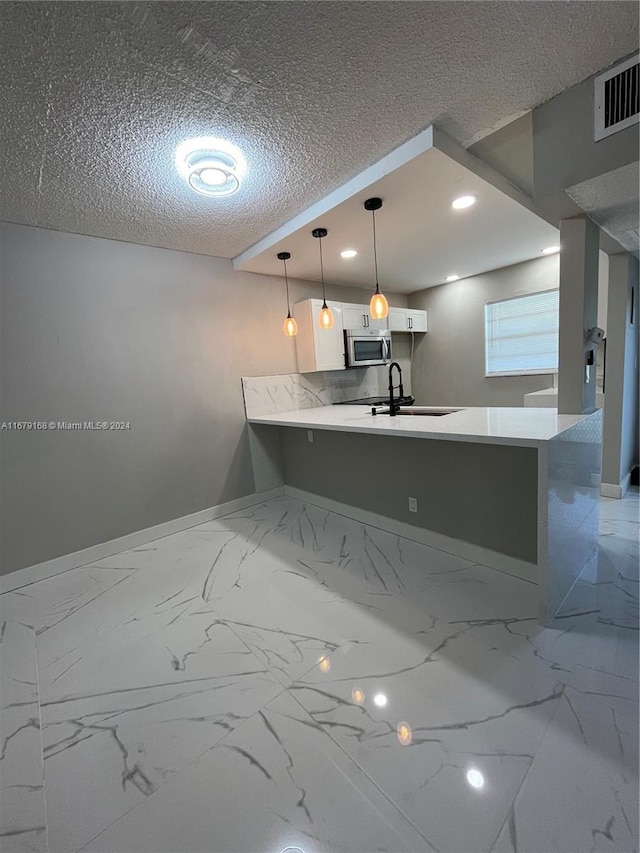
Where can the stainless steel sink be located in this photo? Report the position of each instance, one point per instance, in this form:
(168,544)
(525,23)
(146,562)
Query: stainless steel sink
(427,411)
(424,411)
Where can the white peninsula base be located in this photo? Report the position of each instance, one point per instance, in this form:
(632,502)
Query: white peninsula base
(516,489)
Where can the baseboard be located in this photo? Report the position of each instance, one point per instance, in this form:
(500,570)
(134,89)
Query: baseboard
(611,490)
(468,551)
(40,571)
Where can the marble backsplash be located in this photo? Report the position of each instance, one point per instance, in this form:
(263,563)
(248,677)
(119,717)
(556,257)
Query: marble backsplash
(265,395)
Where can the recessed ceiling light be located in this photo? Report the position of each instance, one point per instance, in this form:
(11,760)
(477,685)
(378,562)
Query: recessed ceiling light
(380,699)
(463,201)
(348,253)
(357,695)
(452,278)
(475,778)
(551,250)
(211,166)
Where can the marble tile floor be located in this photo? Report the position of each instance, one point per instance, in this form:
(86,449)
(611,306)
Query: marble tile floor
(288,678)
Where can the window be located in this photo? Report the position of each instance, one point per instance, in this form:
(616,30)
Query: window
(521,335)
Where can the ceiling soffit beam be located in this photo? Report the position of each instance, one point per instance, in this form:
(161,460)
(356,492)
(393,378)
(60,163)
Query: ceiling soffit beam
(390,162)
(427,139)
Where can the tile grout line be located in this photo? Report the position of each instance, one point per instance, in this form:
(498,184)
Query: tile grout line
(336,743)
(44,780)
(376,785)
(197,757)
(524,778)
(179,772)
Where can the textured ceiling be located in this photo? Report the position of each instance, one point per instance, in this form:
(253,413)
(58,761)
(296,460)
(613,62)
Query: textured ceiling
(613,200)
(95,97)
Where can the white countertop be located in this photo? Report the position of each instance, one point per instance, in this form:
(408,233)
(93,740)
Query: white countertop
(513,426)
(548,397)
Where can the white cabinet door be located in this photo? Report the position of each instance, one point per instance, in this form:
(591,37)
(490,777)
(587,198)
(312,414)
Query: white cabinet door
(377,324)
(417,320)
(316,348)
(359,317)
(355,316)
(398,320)
(407,320)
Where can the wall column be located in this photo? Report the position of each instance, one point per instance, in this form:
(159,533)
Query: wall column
(620,426)
(580,243)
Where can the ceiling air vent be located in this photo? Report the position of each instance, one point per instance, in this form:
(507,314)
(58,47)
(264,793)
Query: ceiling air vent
(617,98)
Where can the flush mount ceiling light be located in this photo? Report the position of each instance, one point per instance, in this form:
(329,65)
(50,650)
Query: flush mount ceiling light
(463,201)
(325,317)
(452,278)
(551,250)
(348,253)
(290,325)
(212,167)
(378,306)
(475,778)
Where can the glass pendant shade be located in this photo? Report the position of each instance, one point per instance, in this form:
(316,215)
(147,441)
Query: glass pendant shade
(379,307)
(290,327)
(325,317)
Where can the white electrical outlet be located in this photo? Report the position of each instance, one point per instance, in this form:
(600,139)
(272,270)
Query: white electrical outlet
(310,436)
(413,504)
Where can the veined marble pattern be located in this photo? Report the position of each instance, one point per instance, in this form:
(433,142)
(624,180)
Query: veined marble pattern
(265,395)
(22,810)
(288,677)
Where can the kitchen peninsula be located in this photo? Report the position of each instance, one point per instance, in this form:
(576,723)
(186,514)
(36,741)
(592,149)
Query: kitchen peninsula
(513,488)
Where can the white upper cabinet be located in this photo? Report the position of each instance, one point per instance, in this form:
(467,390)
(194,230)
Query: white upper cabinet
(359,317)
(316,348)
(323,349)
(407,320)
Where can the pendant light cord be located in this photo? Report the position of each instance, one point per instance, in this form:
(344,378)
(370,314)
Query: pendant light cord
(375,250)
(324,298)
(286,281)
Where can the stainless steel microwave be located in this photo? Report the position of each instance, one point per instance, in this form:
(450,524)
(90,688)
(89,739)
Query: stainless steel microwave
(364,347)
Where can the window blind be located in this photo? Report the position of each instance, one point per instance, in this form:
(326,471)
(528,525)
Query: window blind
(521,334)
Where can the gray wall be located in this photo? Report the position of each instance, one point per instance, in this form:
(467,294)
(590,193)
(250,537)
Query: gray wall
(94,330)
(620,427)
(448,366)
(480,493)
(509,151)
(579,272)
(564,151)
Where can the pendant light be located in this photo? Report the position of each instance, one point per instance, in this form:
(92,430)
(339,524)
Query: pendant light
(325,317)
(290,325)
(379,307)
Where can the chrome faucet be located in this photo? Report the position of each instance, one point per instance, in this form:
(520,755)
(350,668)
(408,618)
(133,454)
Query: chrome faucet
(393,407)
